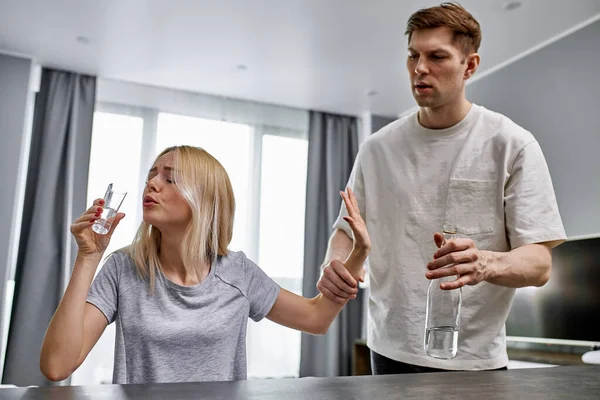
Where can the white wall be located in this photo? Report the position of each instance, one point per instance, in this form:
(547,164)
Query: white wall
(555,94)
(201,105)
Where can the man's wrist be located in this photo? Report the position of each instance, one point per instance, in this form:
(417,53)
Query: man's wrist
(491,263)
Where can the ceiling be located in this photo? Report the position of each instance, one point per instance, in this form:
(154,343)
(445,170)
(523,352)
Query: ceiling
(318,54)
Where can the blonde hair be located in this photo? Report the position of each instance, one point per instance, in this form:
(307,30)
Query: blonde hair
(202,181)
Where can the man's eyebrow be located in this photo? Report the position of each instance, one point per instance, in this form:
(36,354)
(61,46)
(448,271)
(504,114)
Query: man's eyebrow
(438,50)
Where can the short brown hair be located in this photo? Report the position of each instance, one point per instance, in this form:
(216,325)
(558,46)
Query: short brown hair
(467,32)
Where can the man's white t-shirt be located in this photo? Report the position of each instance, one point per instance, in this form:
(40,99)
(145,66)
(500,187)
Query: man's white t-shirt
(487,176)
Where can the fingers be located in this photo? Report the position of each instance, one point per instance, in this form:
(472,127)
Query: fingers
(346,293)
(337,292)
(334,286)
(347,203)
(352,198)
(98,203)
(453,270)
(347,281)
(79,226)
(93,212)
(438,238)
(354,218)
(457,283)
(87,217)
(330,295)
(452,258)
(455,245)
(351,203)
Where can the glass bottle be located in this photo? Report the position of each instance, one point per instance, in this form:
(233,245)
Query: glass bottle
(443,313)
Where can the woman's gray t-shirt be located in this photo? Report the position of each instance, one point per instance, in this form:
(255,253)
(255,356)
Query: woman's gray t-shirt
(182,333)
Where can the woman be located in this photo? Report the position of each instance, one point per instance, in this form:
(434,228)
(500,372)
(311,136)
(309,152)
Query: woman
(179,297)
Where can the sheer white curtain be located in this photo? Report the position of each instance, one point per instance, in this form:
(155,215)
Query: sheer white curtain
(273,350)
(264,150)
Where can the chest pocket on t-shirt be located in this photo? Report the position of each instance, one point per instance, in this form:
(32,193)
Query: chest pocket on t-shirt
(471,205)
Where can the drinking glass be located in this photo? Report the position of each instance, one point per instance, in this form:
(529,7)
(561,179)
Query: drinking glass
(112,202)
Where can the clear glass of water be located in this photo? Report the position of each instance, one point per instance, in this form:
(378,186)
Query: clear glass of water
(112,202)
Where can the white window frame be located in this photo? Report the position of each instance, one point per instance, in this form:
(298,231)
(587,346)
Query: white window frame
(150,123)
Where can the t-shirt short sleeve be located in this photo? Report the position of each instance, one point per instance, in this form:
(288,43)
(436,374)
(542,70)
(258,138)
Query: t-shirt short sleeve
(531,210)
(105,288)
(262,291)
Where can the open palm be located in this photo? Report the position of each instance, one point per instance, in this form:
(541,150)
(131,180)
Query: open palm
(354,219)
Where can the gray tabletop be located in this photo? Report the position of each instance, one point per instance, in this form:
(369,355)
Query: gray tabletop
(567,382)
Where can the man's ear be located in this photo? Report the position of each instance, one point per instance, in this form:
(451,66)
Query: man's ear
(472,62)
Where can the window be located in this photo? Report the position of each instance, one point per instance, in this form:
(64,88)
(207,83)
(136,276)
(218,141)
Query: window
(227,142)
(267,168)
(283,194)
(274,350)
(115,158)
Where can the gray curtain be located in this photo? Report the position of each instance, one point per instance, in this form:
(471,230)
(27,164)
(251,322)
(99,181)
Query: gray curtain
(55,195)
(332,148)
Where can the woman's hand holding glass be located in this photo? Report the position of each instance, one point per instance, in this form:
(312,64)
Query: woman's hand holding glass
(89,242)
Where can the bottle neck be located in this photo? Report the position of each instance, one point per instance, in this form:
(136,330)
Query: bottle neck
(448,236)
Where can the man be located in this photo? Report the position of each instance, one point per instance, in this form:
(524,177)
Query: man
(451,162)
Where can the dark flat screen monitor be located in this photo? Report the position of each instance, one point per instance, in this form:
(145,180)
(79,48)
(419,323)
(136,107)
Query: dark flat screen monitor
(568,306)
